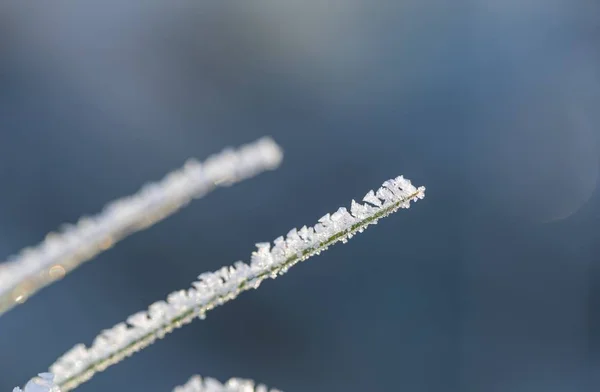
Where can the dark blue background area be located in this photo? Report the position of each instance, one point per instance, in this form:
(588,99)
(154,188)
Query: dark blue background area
(491,283)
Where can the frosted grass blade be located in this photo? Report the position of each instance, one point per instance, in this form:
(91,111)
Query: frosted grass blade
(216,288)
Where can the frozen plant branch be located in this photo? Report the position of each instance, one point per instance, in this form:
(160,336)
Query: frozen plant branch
(60,253)
(197,384)
(216,288)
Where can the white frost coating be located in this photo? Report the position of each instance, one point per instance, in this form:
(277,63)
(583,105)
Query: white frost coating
(42,383)
(215,288)
(59,253)
(197,384)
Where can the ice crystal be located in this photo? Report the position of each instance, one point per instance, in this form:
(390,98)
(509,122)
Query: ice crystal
(197,384)
(24,274)
(44,382)
(215,288)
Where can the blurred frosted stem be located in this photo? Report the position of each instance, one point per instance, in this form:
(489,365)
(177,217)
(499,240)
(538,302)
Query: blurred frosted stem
(216,288)
(61,252)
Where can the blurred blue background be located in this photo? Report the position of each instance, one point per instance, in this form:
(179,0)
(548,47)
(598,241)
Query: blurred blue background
(492,283)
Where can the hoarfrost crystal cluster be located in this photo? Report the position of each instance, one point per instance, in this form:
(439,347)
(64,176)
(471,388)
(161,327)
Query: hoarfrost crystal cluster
(44,382)
(215,288)
(59,253)
(197,384)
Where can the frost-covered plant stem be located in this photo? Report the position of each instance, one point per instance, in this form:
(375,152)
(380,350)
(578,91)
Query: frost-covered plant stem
(215,288)
(60,253)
